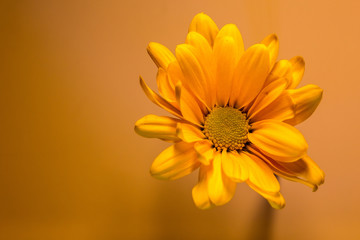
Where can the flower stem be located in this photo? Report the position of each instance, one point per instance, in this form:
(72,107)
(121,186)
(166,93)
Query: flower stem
(261,226)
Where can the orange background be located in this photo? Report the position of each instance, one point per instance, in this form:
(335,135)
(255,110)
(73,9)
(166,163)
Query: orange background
(71,166)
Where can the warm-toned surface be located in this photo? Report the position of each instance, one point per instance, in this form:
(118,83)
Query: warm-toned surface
(71,166)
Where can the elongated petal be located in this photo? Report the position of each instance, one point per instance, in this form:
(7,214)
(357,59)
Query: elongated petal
(267,96)
(230,30)
(160,54)
(198,41)
(260,174)
(205,151)
(276,199)
(165,88)
(278,140)
(205,58)
(198,77)
(304,170)
(235,166)
(189,133)
(158,100)
(175,162)
(204,25)
(297,71)
(281,109)
(189,107)
(272,43)
(226,56)
(220,187)
(281,69)
(153,126)
(174,74)
(306,100)
(250,75)
(200,191)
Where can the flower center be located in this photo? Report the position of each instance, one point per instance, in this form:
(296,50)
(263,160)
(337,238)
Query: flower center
(227,128)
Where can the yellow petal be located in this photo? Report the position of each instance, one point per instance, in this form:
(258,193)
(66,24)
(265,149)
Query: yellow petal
(204,25)
(297,71)
(175,162)
(221,188)
(260,175)
(165,88)
(272,43)
(230,30)
(281,69)
(250,75)
(267,95)
(174,73)
(189,133)
(190,108)
(153,126)
(205,151)
(278,140)
(306,100)
(201,44)
(200,191)
(226,56)
(276,199)
(307,169)
(198,77)
(205,57)
(160,54)
(158,100)
(281,109)
(304,170)
(235,165)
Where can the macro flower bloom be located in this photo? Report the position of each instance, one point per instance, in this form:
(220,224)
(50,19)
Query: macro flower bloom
(234,115)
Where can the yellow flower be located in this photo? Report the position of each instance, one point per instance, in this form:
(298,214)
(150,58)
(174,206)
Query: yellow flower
(234,114)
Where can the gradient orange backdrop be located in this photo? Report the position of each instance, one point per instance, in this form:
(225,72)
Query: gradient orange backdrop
(71,166)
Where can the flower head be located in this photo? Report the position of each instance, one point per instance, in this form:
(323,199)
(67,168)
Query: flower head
(234,115)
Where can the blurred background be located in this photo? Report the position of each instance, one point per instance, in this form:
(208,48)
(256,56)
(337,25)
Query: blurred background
(71,166)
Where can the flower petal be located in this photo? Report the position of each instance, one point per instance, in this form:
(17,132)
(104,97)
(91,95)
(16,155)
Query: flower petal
(158,100)
(165,88)
(230,30)
(198,41)
(200,191)
(281,109)
(272,43)
(276,199)
(189,133)
(197,76)
(160,54)
(189,107)
(174,74)
(250,75)
(260,175)
(220,187)
(204,25)
(175,162)
(235,165)
(153,126)
(306,100)
(205,151)
(297,71)
(226,56)
(281,69)
(267,95)
(304,170)
(278,140)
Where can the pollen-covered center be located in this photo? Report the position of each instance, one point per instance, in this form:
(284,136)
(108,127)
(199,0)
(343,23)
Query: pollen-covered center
(227,128)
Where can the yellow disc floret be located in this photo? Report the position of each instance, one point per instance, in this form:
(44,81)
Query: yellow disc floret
(227,128)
